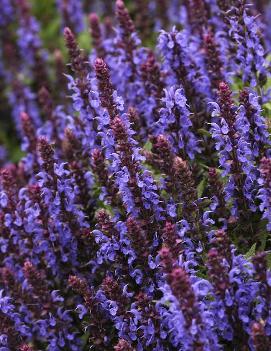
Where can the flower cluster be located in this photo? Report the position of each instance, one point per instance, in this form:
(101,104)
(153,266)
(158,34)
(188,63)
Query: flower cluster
(135,177)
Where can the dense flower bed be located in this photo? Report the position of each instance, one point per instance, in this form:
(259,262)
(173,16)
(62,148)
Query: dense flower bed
(137,215)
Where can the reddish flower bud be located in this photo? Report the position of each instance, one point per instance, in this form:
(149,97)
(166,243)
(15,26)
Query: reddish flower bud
(105,87)
(26,347)
(78,60)
(126,23)
(213,61)
(171,239)
(226,103)
(217,272)
(181,288)
(138,238)
(123,345)
(261,341)
(167,261)
(47,155)
(151,75)
(134,119)
(183,180)
(105,223)
(114,292)
(96,33)
(29,131)
(36,279)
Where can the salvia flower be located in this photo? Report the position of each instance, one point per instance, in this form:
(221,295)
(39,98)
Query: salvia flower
(264,191)
(135,176)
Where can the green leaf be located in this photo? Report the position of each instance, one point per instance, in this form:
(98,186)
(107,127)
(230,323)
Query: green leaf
(263,238)
(268,257)
(201,187)
(148,146)
(262,233)
(204,132)
(85,338)
(251,252)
